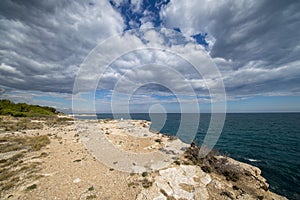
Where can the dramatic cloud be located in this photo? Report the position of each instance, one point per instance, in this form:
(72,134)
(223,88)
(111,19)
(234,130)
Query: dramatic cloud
(255,45)
(157,56)
(44,42)
(258,41)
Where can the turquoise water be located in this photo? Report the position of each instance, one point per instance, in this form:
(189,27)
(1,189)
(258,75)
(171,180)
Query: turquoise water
(268,141)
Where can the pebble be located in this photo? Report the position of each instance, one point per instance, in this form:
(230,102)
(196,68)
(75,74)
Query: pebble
(77,180)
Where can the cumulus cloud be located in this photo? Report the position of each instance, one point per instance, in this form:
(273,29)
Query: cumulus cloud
(44,42)
(157,56)
(245,34)
(152,61)
(6,69)
(255,44)
(242,29)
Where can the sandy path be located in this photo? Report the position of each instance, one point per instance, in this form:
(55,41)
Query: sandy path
(71,172)
(100,146)
(95,160)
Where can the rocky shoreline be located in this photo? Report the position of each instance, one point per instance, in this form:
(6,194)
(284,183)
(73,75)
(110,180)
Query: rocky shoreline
(118,159)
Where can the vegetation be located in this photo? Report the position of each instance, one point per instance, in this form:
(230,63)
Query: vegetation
(93,196)
(227,194)
(146,183)
(52,121)
(15,165)
(212,164)
(8,123)
(144,174)
(31,187)
(19,154)
(91,188)
(35,143)
(15,124)
(24,110)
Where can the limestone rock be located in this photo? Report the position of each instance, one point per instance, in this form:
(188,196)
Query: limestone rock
(179,182)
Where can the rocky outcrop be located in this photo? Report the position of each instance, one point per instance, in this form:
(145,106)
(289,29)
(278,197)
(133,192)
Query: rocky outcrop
(178,182)
(172,169)
(118,160)
(248,185)
(190,182)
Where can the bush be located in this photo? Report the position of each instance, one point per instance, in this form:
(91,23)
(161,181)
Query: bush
(231,175)
(24,110)
(211,164)
(144,174)
(206,169)
(31,187)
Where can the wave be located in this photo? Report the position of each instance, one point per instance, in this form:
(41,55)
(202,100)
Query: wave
(252,160)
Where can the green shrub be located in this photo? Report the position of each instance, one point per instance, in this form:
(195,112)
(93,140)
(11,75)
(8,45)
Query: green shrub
(93,196)
(31,187)
(144,174)
(24,110)
(91,188)
(206,169)
(210,163)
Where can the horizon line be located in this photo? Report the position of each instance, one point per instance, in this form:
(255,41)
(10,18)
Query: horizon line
(259,112)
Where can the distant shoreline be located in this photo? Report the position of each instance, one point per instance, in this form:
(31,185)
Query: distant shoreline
(92,114)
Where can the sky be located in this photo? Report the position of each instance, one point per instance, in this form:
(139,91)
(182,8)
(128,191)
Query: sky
(163,56)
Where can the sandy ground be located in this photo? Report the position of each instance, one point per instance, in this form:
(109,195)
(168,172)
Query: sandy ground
(121,160)
(71,172)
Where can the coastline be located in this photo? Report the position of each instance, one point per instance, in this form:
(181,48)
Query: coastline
(73,166)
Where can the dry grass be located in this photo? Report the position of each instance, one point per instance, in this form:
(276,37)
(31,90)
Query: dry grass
(12,175)
(14,167)
(16,143)
(93,196)
(29,123)
(18,124)
(54,121)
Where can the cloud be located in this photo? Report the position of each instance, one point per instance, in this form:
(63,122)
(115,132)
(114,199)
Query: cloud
(254,43)
(43,43)
(6,69)
(57,100)
(253,79)
(148,56)
(152,61)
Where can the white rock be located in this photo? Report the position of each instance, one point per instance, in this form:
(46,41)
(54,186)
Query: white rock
(206,179)
(77,180)
(201,193)
(178,182)
(160,197)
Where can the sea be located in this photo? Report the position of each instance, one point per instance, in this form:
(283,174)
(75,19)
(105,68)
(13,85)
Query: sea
(270,141)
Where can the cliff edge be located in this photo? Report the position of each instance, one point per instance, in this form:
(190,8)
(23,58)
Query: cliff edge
(115,159)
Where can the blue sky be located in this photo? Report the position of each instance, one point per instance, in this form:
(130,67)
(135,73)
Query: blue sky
(249,49)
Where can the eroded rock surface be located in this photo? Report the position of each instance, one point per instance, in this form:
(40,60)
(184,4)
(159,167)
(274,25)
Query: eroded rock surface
(178,182)
(113,159)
